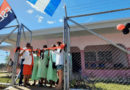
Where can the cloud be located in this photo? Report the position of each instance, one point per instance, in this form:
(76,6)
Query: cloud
(36,8)
(61,20)
(50,22)
(40,18)
(30,11)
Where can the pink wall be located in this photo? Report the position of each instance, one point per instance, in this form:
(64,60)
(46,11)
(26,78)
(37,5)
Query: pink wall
(83,41)
(129,57)
(107,73)
(82,61)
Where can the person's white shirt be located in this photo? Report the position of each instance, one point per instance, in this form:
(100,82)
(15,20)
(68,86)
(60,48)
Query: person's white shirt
(27,57)
(59,57)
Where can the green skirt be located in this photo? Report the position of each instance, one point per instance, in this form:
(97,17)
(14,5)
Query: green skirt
(44,68)
(35,69)
(39,68)
(51,73)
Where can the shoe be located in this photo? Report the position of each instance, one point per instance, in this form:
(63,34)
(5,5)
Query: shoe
(40,85)
(28,84)
(25,85)
(33,84)
(20,84)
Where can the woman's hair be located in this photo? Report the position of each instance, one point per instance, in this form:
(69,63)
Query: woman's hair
(53,45)
(59,43)
(17,49)
(44,46)
(28,45)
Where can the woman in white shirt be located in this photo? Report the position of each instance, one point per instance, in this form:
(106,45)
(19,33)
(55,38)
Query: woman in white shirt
(60,65)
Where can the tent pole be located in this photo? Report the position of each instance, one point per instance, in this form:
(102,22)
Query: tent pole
(67,50)
(16,56)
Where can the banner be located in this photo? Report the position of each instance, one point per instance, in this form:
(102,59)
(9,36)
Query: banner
(6,14)
(45,6)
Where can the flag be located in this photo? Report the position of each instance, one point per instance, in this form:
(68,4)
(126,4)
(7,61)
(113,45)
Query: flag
(6,14)
(45,6)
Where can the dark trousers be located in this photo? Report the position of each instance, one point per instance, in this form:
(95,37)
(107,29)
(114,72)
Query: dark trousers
(21,72)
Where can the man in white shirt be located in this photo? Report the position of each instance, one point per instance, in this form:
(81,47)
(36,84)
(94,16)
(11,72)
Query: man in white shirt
(26,54)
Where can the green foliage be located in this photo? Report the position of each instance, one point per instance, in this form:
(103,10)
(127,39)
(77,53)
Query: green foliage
(2,65)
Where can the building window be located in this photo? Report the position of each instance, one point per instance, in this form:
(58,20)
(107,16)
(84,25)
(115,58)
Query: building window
(105,55)
(90,56)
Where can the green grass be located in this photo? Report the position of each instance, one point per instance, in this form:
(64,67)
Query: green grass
(99,86)
(112,86)
(5,80)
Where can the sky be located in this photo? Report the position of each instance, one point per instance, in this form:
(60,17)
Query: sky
(36,20)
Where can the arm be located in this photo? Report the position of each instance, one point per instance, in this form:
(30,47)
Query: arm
(21,53)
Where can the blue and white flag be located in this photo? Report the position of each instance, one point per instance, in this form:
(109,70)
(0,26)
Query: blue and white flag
(45,6)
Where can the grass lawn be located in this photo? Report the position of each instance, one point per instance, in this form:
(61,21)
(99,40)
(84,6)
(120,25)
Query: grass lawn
(100,86)
(4,78)
(112,86)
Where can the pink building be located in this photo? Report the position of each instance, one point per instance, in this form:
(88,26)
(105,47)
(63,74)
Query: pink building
(90,54)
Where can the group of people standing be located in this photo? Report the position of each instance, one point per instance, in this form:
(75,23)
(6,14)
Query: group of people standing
(43,66)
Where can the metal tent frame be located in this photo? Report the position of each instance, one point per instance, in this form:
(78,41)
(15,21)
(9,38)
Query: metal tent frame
(66,36)
(19,27)
(16,56)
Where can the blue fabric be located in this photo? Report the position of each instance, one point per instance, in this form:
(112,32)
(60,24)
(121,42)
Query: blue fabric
(101,65)
(60,67)
(86,65)
(93,65)
(32,1)
(52,6)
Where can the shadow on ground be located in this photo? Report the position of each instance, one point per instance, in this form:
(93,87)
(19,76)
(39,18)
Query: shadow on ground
(30,88)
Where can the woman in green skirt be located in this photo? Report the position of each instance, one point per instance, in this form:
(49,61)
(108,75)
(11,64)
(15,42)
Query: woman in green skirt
(35,66)
(43,66)
(52,72)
